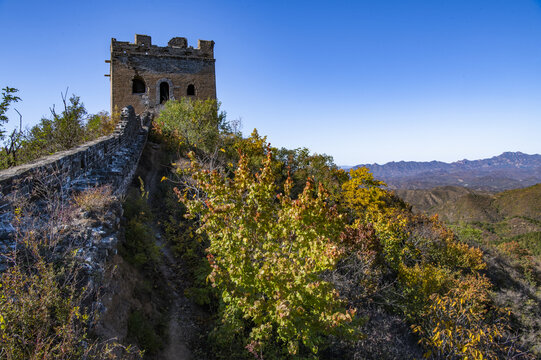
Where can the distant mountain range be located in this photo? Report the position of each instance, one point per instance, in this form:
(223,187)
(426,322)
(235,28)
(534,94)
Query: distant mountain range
(510,170)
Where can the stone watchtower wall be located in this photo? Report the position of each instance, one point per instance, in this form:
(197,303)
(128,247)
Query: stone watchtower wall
(145,75)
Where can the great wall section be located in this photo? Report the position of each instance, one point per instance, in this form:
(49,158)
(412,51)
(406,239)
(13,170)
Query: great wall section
(111,160)
(143,76)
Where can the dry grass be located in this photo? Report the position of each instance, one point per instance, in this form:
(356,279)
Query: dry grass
(94,199)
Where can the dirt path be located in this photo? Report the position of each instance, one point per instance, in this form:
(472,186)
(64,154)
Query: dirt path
(182,325)
(183,328)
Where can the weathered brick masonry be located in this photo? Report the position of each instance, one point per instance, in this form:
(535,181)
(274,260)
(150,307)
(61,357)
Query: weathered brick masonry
(91,236)
(145,75)
(110,160)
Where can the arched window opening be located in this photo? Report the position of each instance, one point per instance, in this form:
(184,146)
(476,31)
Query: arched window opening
(191,90)
(138,86)
(164,92)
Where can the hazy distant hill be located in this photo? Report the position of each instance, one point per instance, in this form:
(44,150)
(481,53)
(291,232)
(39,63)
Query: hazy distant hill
(510,170)
(507,215)
(454,203)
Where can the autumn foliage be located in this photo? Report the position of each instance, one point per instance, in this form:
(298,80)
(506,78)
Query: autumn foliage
(297,247)
(266,253)
(441,290)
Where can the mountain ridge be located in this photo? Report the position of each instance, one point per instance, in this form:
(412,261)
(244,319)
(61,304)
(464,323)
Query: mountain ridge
(509,170)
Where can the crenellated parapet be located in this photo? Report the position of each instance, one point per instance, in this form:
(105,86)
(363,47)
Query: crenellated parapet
(146,76)
(177,47)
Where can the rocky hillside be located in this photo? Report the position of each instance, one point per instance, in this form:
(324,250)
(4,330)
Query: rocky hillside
(455,203)
(512,215)
(510,170)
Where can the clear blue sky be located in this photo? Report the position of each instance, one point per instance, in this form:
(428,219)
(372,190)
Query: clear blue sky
(363,81)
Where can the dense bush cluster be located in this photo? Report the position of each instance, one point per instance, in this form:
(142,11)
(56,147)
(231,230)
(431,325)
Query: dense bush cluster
(298,249)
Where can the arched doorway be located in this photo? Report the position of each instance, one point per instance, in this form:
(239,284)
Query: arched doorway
(164,92)
(191,90)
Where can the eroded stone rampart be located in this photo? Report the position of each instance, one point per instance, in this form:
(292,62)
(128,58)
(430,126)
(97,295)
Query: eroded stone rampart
(111,159)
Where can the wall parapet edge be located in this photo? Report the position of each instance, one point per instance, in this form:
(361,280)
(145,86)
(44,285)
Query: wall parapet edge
(111,159)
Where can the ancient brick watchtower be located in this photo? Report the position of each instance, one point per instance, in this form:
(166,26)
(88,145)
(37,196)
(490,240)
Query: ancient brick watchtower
(145,75)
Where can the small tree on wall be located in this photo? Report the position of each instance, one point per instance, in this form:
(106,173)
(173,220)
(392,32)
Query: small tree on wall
(62,131)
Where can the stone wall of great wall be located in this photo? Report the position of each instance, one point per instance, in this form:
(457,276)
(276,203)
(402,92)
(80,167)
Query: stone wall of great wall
(111,159)
(92,236)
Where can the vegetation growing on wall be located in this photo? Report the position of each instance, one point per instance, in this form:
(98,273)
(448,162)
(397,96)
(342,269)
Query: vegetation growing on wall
(294,257)
(45,310)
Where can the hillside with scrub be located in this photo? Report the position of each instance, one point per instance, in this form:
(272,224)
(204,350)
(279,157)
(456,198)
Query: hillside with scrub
(295,258)
(505,217)
(229,248)
(507,227)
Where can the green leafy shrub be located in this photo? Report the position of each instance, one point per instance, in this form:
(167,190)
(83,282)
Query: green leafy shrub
(530,241)
(266,253)
(62,131)
(101,124)
(468,233)
(190,123)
